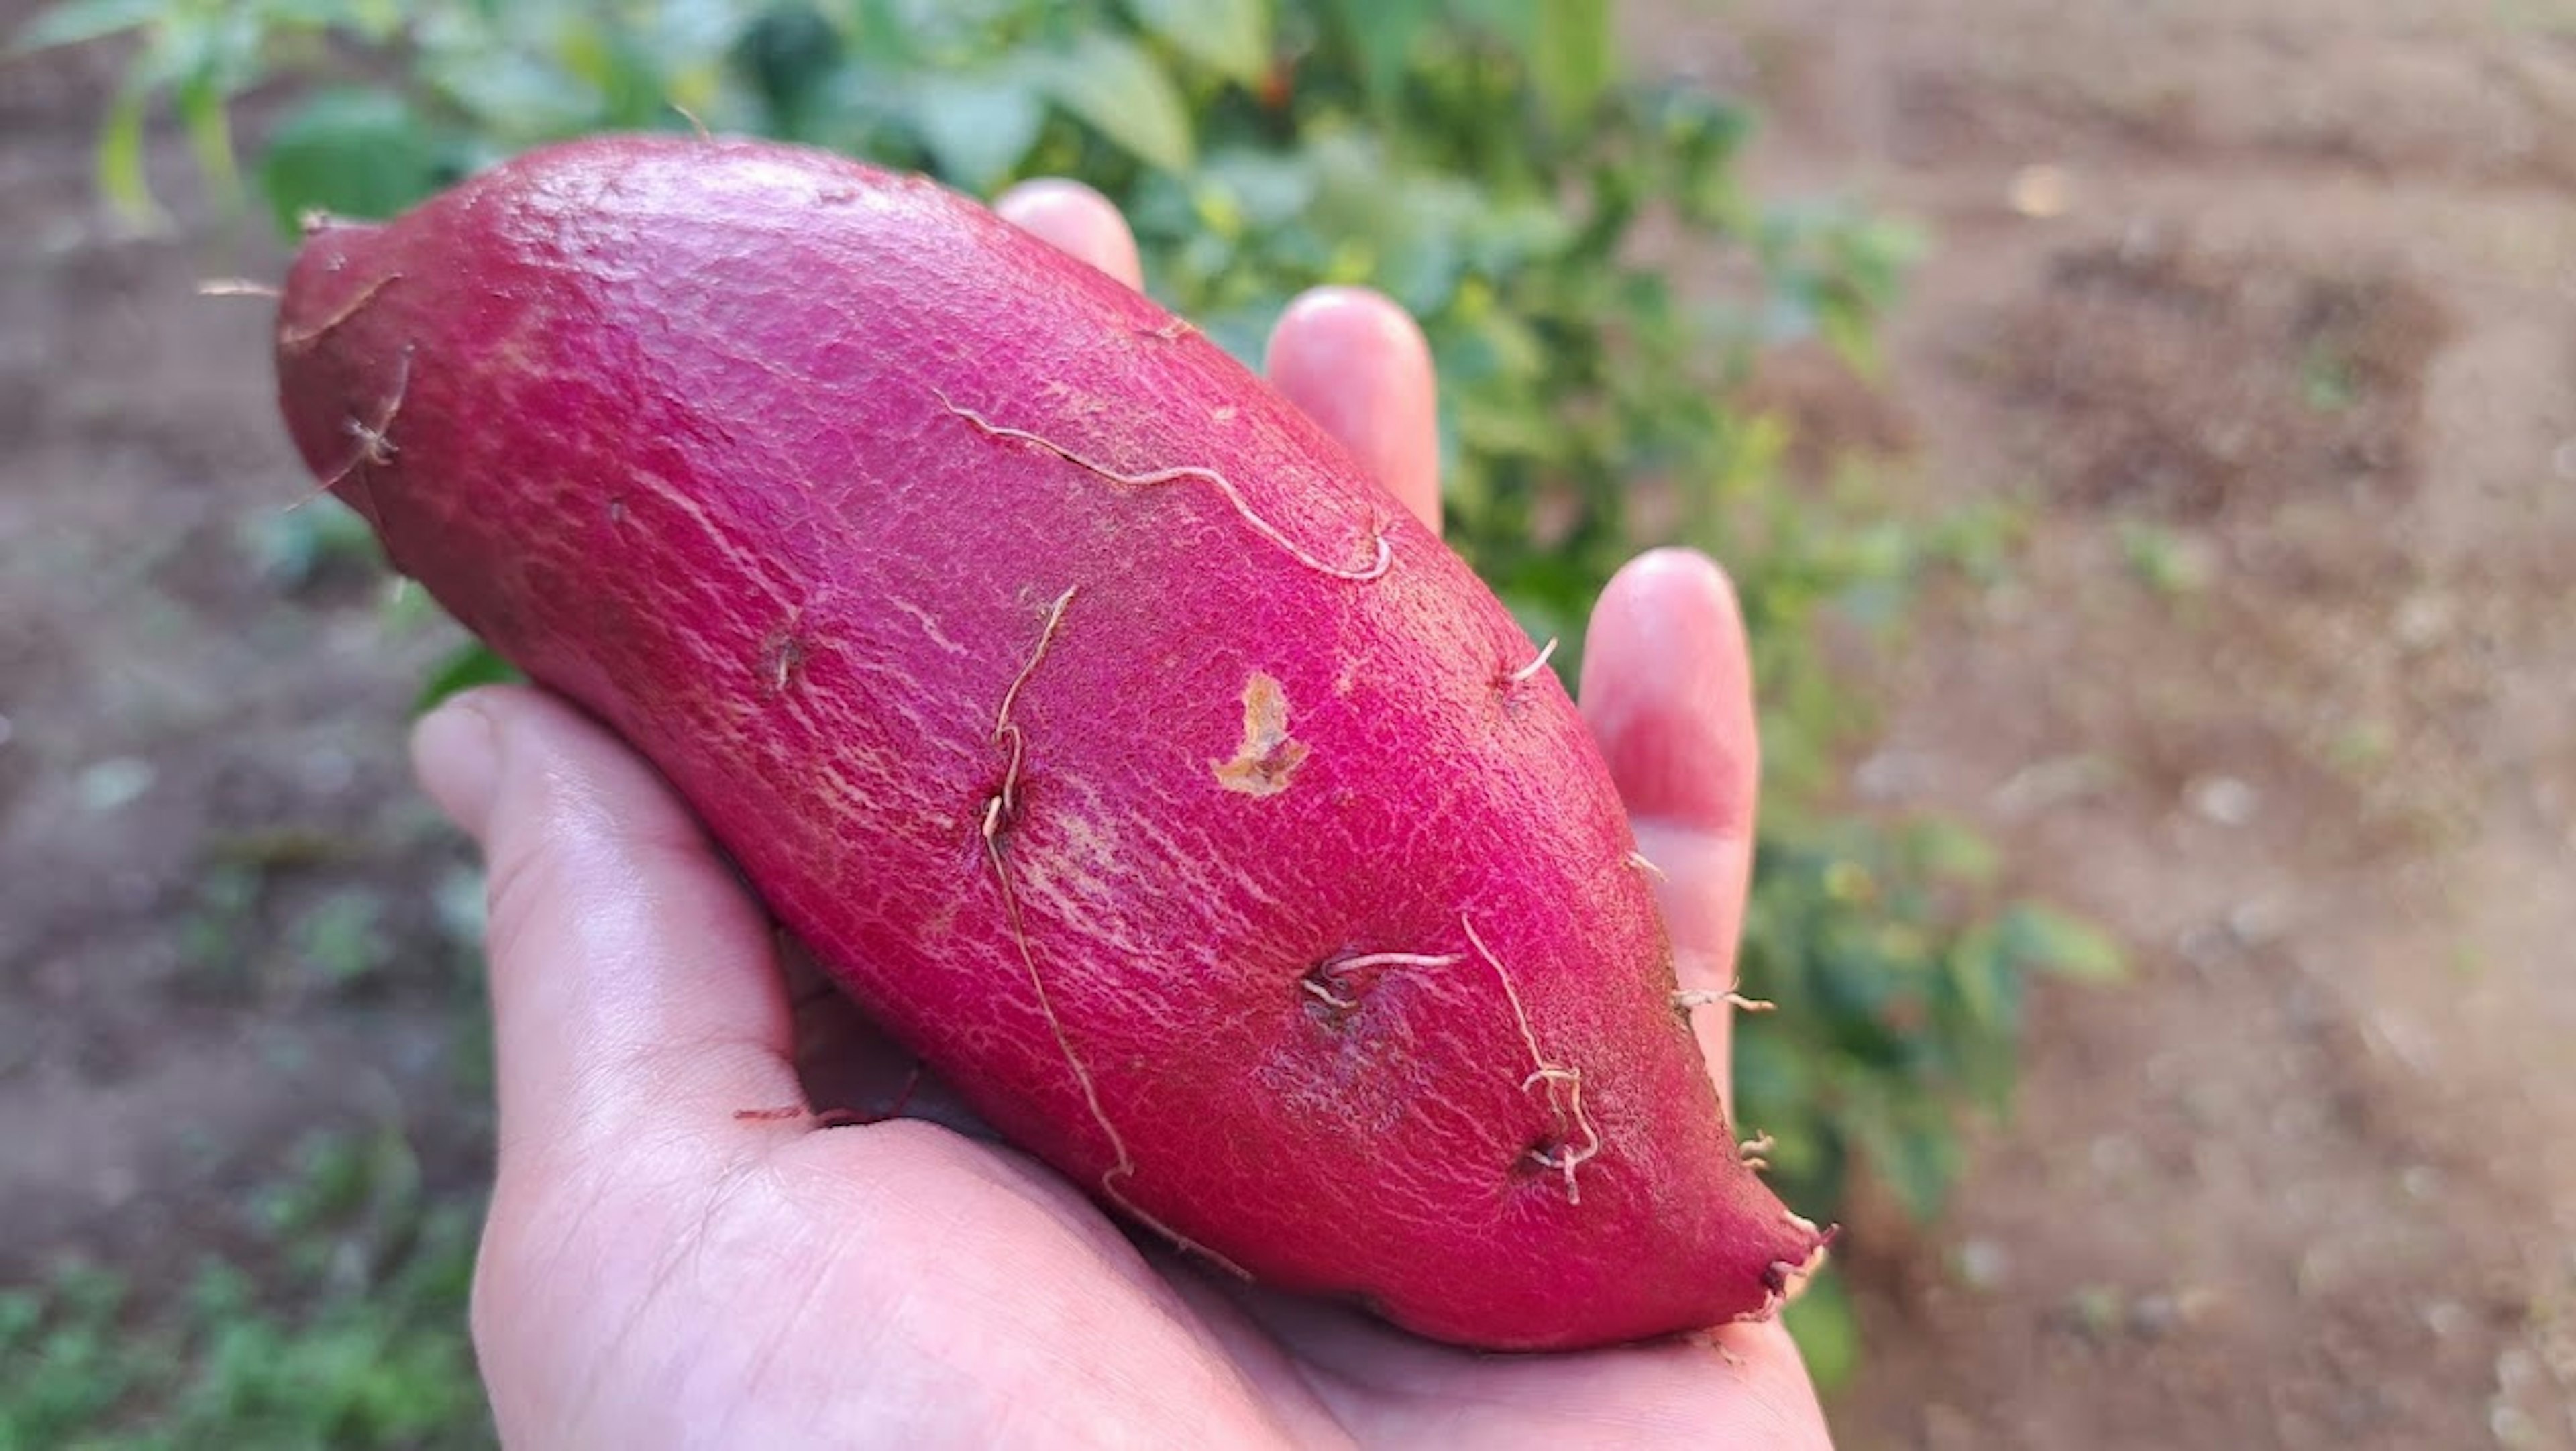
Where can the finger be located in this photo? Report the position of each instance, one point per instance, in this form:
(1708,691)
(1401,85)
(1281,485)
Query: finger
(1077,220)
(1358,365)
(634,987)
(1668,690)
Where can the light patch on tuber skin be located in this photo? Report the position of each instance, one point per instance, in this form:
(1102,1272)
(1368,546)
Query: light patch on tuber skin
(929,626)
(1564,1085)
(1269,756)
(1382,558)
(999,813)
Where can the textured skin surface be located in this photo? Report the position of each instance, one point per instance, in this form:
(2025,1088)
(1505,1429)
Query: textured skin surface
(718,440)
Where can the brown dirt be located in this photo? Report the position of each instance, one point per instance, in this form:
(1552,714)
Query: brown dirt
(2270,319)
(216,930)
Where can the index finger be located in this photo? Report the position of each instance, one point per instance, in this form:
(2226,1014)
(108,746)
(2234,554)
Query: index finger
(1075,220)
(1668,690)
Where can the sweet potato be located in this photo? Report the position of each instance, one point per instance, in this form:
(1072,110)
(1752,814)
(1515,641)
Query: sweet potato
(1112,740)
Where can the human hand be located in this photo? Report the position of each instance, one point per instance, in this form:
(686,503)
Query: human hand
(661,1267)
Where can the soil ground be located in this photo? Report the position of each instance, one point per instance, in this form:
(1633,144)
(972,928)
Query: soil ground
(2269,313)
(2266,314)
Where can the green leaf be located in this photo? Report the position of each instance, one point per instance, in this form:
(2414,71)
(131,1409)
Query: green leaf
(1914,1153)
(204,116)
(353,152)
(1382,35)
(1515,22)
(1230,37)
(1976,963)
(121,176)
(81,20)
(977,128)
(1574,57)
(788,54)
(1119,90)
(473,664)
(1948,850)
(2048,940)
(1267,190)
(1826,1329)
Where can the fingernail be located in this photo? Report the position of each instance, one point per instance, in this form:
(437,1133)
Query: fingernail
(456,751)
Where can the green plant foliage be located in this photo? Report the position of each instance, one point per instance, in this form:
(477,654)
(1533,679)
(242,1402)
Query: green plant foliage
(342,1328)
(1487,164)
(1827,1330)
(467,666)
(356,151)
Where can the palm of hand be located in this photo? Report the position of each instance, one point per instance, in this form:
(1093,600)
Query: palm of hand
(662,1267)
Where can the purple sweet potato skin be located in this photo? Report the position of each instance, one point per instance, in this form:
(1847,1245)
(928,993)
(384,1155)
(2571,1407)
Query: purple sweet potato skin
(703,435)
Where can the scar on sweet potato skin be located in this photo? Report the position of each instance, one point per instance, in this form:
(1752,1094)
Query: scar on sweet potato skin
(1269,756)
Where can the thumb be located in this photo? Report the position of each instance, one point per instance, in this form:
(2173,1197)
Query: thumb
(635,990)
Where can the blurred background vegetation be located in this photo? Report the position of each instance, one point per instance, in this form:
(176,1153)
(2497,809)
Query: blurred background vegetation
(1597,287)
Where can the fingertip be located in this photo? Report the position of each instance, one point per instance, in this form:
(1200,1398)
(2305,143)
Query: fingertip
(1668,688)
(1358,364)
(1076,220)
(456,755)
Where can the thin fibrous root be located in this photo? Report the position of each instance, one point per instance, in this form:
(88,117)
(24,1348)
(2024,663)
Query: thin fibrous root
(1316,983)
(1530,671)
(1641,862)
(998,811)
(1400,959)
(1564,1083)
(1005,805)
(1382,560)
(1327,996)
(1751,1151)
(1689,998)
(238,287)
(299,339)
(375,450)
(1783,1281)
